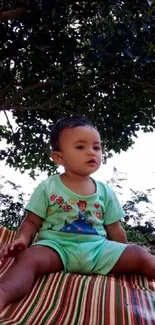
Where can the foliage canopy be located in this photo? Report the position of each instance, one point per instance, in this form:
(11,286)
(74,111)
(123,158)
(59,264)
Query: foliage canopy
(75,57)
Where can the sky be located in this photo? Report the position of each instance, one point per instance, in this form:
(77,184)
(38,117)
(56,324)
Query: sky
(138,166)
(138,162)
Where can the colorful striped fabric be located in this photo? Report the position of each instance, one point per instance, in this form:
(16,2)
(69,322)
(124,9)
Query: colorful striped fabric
(73,299)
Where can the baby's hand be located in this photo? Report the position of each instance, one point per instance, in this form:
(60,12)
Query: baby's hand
(12,249)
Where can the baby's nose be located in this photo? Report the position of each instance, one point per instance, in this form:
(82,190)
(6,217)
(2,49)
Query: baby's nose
(91,152)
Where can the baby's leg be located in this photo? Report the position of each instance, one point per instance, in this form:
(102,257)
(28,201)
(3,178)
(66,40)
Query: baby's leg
(29,264)
(135,259)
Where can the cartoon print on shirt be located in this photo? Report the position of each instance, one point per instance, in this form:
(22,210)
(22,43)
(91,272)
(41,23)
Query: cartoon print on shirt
(60,201)
(50,227)
(91,218)
(82,205)
(96,205)
(80,225)
(81,222)
(53,197)
(72,201)
(98,215)
(50,210)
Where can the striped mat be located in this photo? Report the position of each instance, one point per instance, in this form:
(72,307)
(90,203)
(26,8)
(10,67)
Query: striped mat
(73,299)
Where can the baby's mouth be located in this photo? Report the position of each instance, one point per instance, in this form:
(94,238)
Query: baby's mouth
(91,161)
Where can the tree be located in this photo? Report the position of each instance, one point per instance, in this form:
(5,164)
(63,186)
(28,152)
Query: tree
(139,222)
(116,180)
(60,57)
(138,207)
(11,205)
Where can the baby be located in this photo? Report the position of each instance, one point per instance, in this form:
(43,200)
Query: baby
(76,219)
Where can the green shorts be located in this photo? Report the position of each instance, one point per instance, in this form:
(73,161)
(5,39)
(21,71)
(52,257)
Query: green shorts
(85,254)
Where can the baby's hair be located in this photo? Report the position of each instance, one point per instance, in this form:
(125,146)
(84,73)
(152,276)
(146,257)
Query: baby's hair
(66,123)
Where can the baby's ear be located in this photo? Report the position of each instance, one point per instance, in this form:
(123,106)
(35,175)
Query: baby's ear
(57,157)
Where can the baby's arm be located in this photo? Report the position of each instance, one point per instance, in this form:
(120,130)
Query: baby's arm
(116,232)
(29,228)
(26,234)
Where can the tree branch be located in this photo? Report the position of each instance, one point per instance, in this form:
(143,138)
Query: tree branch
(10,14)
(24,91)
(143,83)
(8,122)
(46,105)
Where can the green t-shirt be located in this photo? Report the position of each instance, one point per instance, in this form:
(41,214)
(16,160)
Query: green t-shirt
(65,211)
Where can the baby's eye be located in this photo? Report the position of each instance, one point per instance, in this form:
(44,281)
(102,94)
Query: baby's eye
(80,147)
(97,148)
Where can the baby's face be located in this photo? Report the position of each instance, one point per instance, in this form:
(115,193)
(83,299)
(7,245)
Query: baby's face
(81,149)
